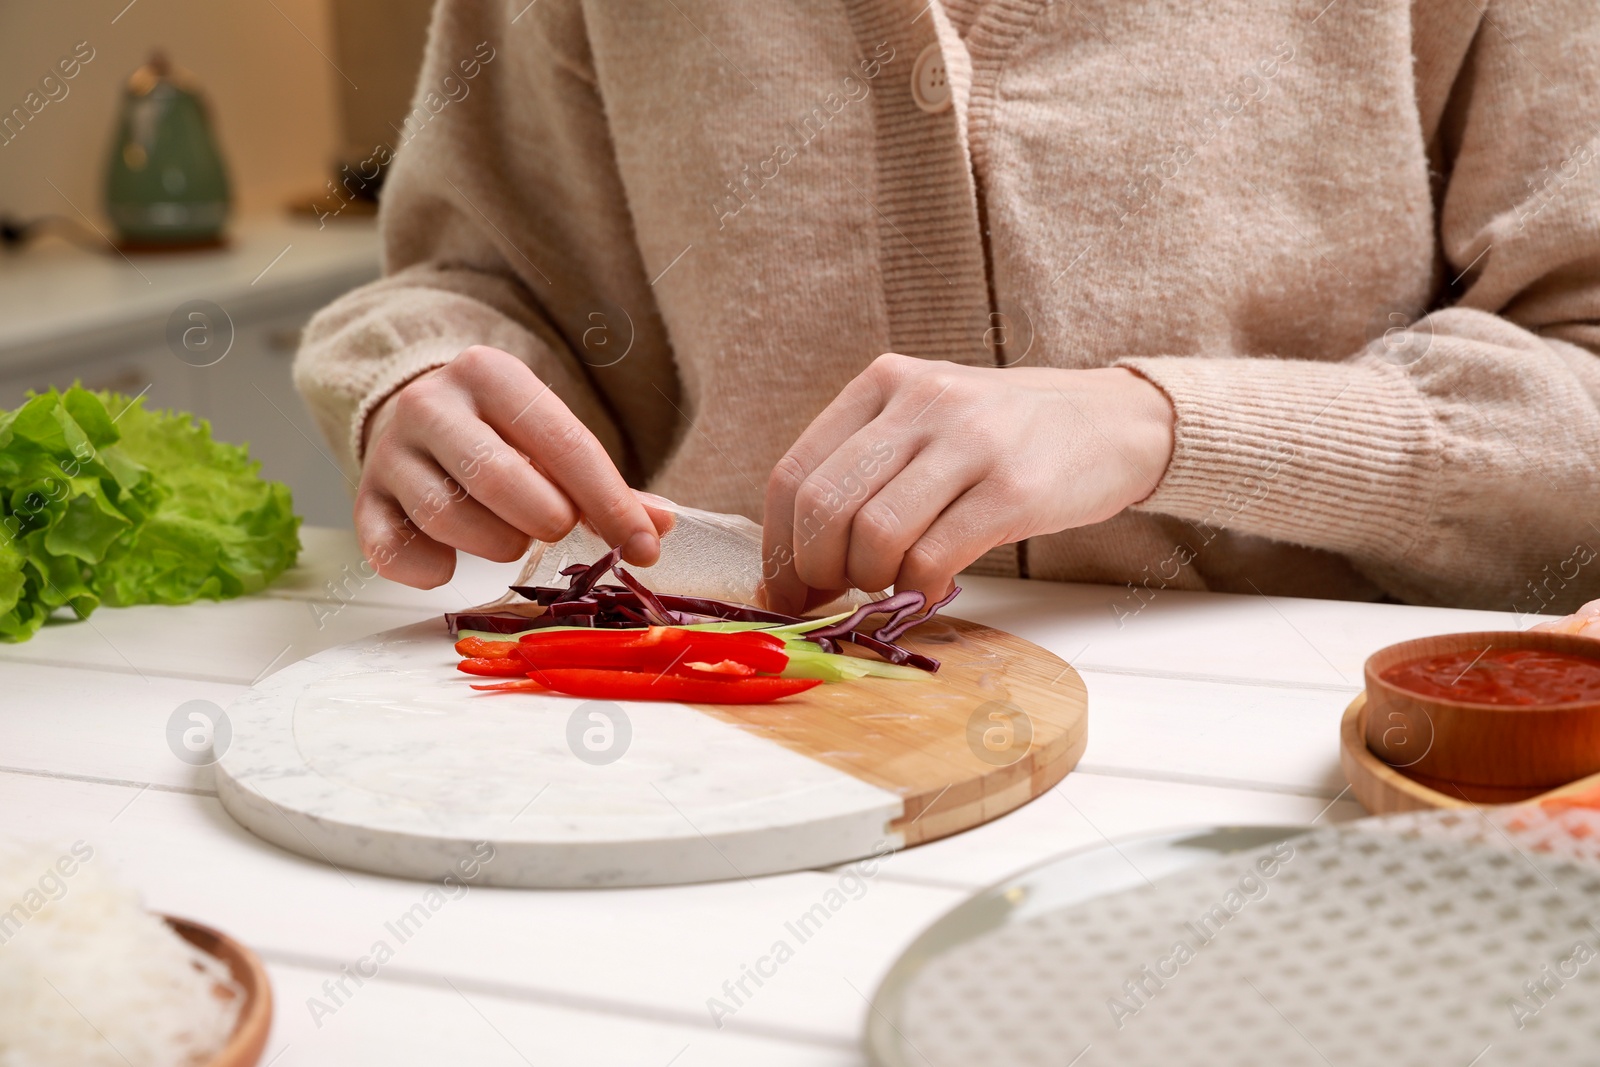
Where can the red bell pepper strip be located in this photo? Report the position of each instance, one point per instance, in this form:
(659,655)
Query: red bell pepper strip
(640,636)
(640,685)
(520,685)
(510,667)
(479,648)
(655,649)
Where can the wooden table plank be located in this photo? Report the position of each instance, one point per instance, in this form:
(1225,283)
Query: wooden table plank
(1281,641)
(1253,736)
(235,641)
(103,725)
(1085,810)
(400,1019)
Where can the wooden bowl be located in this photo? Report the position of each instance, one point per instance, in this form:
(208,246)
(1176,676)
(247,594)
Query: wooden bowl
(255,1017)
(1502,749)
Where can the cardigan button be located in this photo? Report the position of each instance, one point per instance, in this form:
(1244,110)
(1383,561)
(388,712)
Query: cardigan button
(930,86)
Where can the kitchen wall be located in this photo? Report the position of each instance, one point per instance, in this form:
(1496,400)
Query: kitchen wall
(267,67)
(380,46)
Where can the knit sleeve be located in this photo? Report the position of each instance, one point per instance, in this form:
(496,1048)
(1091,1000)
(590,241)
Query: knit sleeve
(1456,460)
(503,223)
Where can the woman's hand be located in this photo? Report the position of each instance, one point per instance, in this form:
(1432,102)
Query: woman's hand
(480,455)
(918,468)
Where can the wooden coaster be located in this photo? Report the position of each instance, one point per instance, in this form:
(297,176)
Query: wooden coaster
(1386,790)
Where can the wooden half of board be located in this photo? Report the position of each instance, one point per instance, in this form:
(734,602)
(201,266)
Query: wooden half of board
(1001,722)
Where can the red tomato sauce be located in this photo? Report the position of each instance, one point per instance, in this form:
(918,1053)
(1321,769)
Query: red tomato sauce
(1516,677)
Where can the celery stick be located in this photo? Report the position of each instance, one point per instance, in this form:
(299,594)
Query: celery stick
(807,625)
(728,626)
(835,667)
(490,635)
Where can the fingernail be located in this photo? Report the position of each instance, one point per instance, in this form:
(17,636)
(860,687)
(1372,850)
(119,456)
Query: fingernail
(655,501)
(642,548)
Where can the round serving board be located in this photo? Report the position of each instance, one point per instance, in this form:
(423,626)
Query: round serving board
(377,755)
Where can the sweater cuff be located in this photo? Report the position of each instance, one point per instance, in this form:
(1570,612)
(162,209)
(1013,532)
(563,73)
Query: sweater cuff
(1339,456)
(398,369)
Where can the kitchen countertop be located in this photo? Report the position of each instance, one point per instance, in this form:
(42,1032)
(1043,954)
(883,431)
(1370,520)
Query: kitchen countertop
(1203,709)
(54,294)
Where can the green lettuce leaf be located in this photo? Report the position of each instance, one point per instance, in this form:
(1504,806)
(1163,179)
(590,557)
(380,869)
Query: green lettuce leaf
(220,530)
(104,501)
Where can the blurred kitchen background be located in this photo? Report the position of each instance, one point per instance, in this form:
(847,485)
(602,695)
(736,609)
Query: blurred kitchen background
(131,262)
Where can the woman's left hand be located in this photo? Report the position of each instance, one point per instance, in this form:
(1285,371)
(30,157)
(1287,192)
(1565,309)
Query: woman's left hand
(919,467)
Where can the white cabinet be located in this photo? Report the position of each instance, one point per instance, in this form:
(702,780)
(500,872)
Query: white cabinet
(123,369)
(249,396)
(68,315)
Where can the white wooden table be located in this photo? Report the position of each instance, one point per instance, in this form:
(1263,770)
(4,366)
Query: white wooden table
(1204,708)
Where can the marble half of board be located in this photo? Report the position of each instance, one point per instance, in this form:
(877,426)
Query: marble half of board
(377,756)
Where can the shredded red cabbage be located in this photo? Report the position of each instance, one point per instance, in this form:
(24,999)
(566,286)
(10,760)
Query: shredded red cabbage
(906,618)
(654,610)
(910,599)
(586,602)
(499,622)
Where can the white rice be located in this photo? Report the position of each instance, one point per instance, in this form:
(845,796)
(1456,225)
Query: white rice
(89,978)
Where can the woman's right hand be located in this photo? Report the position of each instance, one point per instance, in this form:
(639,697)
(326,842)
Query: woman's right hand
(480,455)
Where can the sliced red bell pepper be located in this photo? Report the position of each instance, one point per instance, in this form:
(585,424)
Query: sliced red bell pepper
(655,649)
(648,635)
(510,667)
(482,648)
(520,685)
(640,685)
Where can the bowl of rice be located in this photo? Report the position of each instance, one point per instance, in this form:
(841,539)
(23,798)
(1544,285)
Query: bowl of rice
(89,977)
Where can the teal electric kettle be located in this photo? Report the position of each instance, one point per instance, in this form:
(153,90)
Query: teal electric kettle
(166,186)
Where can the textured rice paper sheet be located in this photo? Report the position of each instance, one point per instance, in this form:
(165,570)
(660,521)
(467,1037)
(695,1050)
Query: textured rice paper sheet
(703,554)
(1548,829)
(1405,941)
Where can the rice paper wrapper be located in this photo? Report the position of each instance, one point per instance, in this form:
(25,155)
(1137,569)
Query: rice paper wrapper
(703,554)
(1458,937)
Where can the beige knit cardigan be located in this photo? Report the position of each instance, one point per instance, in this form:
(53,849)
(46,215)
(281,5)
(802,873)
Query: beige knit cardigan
(1356,242)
